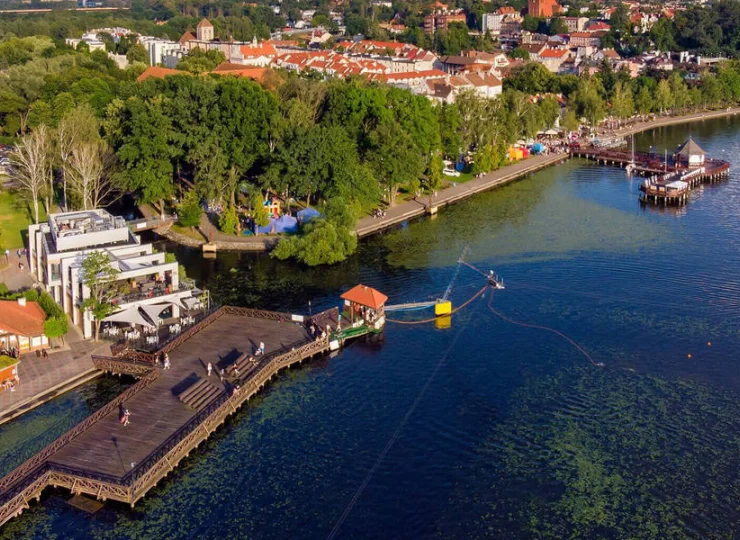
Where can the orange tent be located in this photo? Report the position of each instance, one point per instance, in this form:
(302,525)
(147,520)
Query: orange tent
(365,296)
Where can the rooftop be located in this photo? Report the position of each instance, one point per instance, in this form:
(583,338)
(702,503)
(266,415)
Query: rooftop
(24,320)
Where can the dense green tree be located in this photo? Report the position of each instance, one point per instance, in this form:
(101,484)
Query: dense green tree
(198,61)
(663,96)
(99,276)
(395,158)
(190,210)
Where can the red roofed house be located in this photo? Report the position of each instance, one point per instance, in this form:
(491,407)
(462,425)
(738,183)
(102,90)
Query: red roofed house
(552,59)
(585,39)
(159,73)
(22,325)
(258,53)
(596,26)
(227,68)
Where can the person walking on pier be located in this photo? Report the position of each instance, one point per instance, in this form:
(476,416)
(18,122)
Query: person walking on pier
(262,348)
(209,368)
(166,361)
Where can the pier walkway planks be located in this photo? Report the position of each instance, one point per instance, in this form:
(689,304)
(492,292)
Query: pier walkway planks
(103,458)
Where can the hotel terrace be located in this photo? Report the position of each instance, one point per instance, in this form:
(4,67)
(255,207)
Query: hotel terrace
(151,287)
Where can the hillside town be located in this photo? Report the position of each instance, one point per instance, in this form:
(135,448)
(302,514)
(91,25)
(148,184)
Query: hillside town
(565,45)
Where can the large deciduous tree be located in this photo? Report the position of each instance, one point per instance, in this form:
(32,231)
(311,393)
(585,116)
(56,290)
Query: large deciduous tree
(99,276)
(31,160)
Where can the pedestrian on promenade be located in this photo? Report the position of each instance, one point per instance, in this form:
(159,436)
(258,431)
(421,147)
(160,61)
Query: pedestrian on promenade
(222,374)
(166,361)
(209,368)
(262,348)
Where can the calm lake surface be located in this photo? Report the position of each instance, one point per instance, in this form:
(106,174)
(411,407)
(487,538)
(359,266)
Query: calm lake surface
(486,429)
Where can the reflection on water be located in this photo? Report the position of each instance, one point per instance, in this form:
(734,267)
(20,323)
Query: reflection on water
(517,435)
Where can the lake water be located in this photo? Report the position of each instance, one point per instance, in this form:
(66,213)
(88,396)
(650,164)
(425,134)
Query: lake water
(488,429)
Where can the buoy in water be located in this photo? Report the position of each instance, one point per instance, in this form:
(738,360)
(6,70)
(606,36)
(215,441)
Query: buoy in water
(689,356)
(709,343)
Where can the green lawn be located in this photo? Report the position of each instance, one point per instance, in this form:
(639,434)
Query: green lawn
(15,217)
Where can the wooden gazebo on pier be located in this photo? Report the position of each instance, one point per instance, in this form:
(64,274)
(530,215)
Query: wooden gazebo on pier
(365,306)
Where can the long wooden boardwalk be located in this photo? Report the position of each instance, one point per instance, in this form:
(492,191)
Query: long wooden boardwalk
(172,410)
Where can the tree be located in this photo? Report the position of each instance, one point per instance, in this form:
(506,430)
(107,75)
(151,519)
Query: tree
(91,174)
(259,214)
(644,101)
(570,121)
(76,127)
(198,61)
(228,221)
(321,243)
(549,111)
(137,53)
(394,157)
(146,148)
(557,26)
(56,327)
(31,159)
(99,276)
(588,102)
(664,96)
(190,210)
(519,53)
(622,104)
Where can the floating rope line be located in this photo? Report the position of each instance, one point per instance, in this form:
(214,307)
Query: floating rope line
(424,321)
(540,327)
(396,433)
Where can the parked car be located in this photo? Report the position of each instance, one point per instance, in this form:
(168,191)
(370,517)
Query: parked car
(450,172)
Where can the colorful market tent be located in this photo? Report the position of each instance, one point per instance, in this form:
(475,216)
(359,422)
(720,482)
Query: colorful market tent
(283,224)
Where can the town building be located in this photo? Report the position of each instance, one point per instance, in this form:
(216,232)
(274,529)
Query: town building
(505,20)
(22,326)
(575,24)
(441,21)
(542,8)
(58,247)
(204,31)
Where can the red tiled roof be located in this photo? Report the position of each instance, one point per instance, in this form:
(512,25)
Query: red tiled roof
(25,320)
(553,53)
(205,24)
(365,296)
(159,73)
(187,36)
(264,48)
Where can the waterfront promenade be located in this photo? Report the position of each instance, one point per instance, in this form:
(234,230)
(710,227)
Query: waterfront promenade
(172,410)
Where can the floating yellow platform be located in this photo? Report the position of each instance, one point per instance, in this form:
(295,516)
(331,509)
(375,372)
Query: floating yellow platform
(442,308)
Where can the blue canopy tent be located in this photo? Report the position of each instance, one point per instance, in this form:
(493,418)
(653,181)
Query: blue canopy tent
(283,224)
(307,214)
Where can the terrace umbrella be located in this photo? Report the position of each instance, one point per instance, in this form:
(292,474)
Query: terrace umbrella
(153,311)
(130,315)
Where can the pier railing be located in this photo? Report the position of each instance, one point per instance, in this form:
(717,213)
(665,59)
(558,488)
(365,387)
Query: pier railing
(26,479)
(123,365)
(30,478)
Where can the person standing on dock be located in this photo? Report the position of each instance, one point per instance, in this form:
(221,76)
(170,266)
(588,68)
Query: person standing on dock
(209,368)
(166,361)
(262,347)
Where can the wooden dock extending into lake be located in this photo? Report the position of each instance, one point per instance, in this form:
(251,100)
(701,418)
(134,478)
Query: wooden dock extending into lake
(172,410)
(667,181)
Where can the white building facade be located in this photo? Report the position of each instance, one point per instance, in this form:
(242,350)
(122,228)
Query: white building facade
(58,247)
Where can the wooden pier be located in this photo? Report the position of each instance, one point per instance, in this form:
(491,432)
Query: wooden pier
(668,180)
(172,410)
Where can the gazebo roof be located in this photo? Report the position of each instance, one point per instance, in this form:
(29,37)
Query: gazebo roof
(365,296)
(690,148)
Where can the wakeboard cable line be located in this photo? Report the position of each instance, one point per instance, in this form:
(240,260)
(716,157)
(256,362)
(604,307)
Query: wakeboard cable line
(540,327)
(397,433)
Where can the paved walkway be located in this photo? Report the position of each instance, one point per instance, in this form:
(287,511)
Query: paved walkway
(13,277)
(43,379)
(402,212)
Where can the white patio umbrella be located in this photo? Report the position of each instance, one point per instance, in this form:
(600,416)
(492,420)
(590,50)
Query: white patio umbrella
(130,315)
(153,310)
